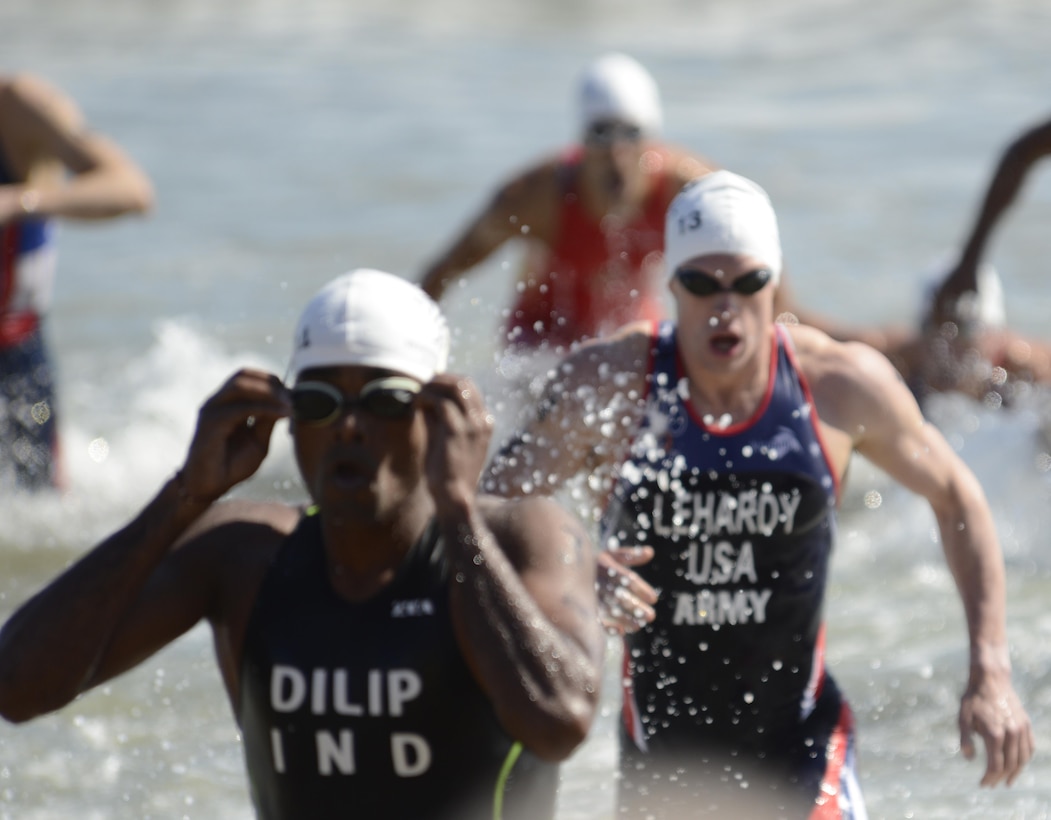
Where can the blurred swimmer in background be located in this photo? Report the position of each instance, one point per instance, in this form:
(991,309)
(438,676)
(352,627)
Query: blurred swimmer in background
(52,166)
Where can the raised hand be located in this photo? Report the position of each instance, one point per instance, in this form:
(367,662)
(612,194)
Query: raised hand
(459,429)
(233,433)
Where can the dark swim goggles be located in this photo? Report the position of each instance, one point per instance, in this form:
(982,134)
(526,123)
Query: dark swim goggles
(606,132)
(700,283)
(318,403)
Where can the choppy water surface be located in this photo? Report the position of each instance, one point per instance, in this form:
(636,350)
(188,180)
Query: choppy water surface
(290,141)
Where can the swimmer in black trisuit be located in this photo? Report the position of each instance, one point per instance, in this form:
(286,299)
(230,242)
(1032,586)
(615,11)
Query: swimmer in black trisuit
(402,648)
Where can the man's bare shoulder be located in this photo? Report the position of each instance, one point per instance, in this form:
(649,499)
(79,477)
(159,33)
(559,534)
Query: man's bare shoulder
(238,529)
(537,179)
(229,550)
(528,199)
(28,98)
(20,89)
(850,381)
(610,364)
(524,526)
(823,357)
(502,513)
(683,165)
(248,511)
(626,351)
(600,380)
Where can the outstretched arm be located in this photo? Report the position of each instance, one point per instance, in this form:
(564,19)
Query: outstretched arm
(1003,188)
(45,132)
(891,432)
(519,208)
(128,597)
(589,409)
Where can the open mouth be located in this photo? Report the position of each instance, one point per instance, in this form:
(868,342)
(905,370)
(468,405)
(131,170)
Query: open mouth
(724,344)
(348,472)
(614,183)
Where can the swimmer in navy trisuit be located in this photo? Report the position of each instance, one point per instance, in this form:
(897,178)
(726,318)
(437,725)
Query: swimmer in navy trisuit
(51,167)
(720,443)
(404,647)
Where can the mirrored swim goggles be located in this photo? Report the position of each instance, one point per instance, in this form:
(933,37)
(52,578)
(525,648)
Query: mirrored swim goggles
(319,403)
(700,283)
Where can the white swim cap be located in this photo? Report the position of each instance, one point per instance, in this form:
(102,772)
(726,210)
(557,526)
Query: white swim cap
(722,212)
(985,305)
(374,319)
(617,87)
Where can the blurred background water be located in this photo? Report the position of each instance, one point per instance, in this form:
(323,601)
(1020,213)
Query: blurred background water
(289,141)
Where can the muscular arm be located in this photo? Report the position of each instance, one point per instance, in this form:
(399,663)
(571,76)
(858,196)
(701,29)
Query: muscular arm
(517,209)
(75,617)
(888,428)
(1007,180)
(589,411)
(44,131)
(522,586)
(523,599)
(134,593)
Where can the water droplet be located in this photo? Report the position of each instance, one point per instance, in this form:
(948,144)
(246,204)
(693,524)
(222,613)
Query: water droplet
(98,450)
